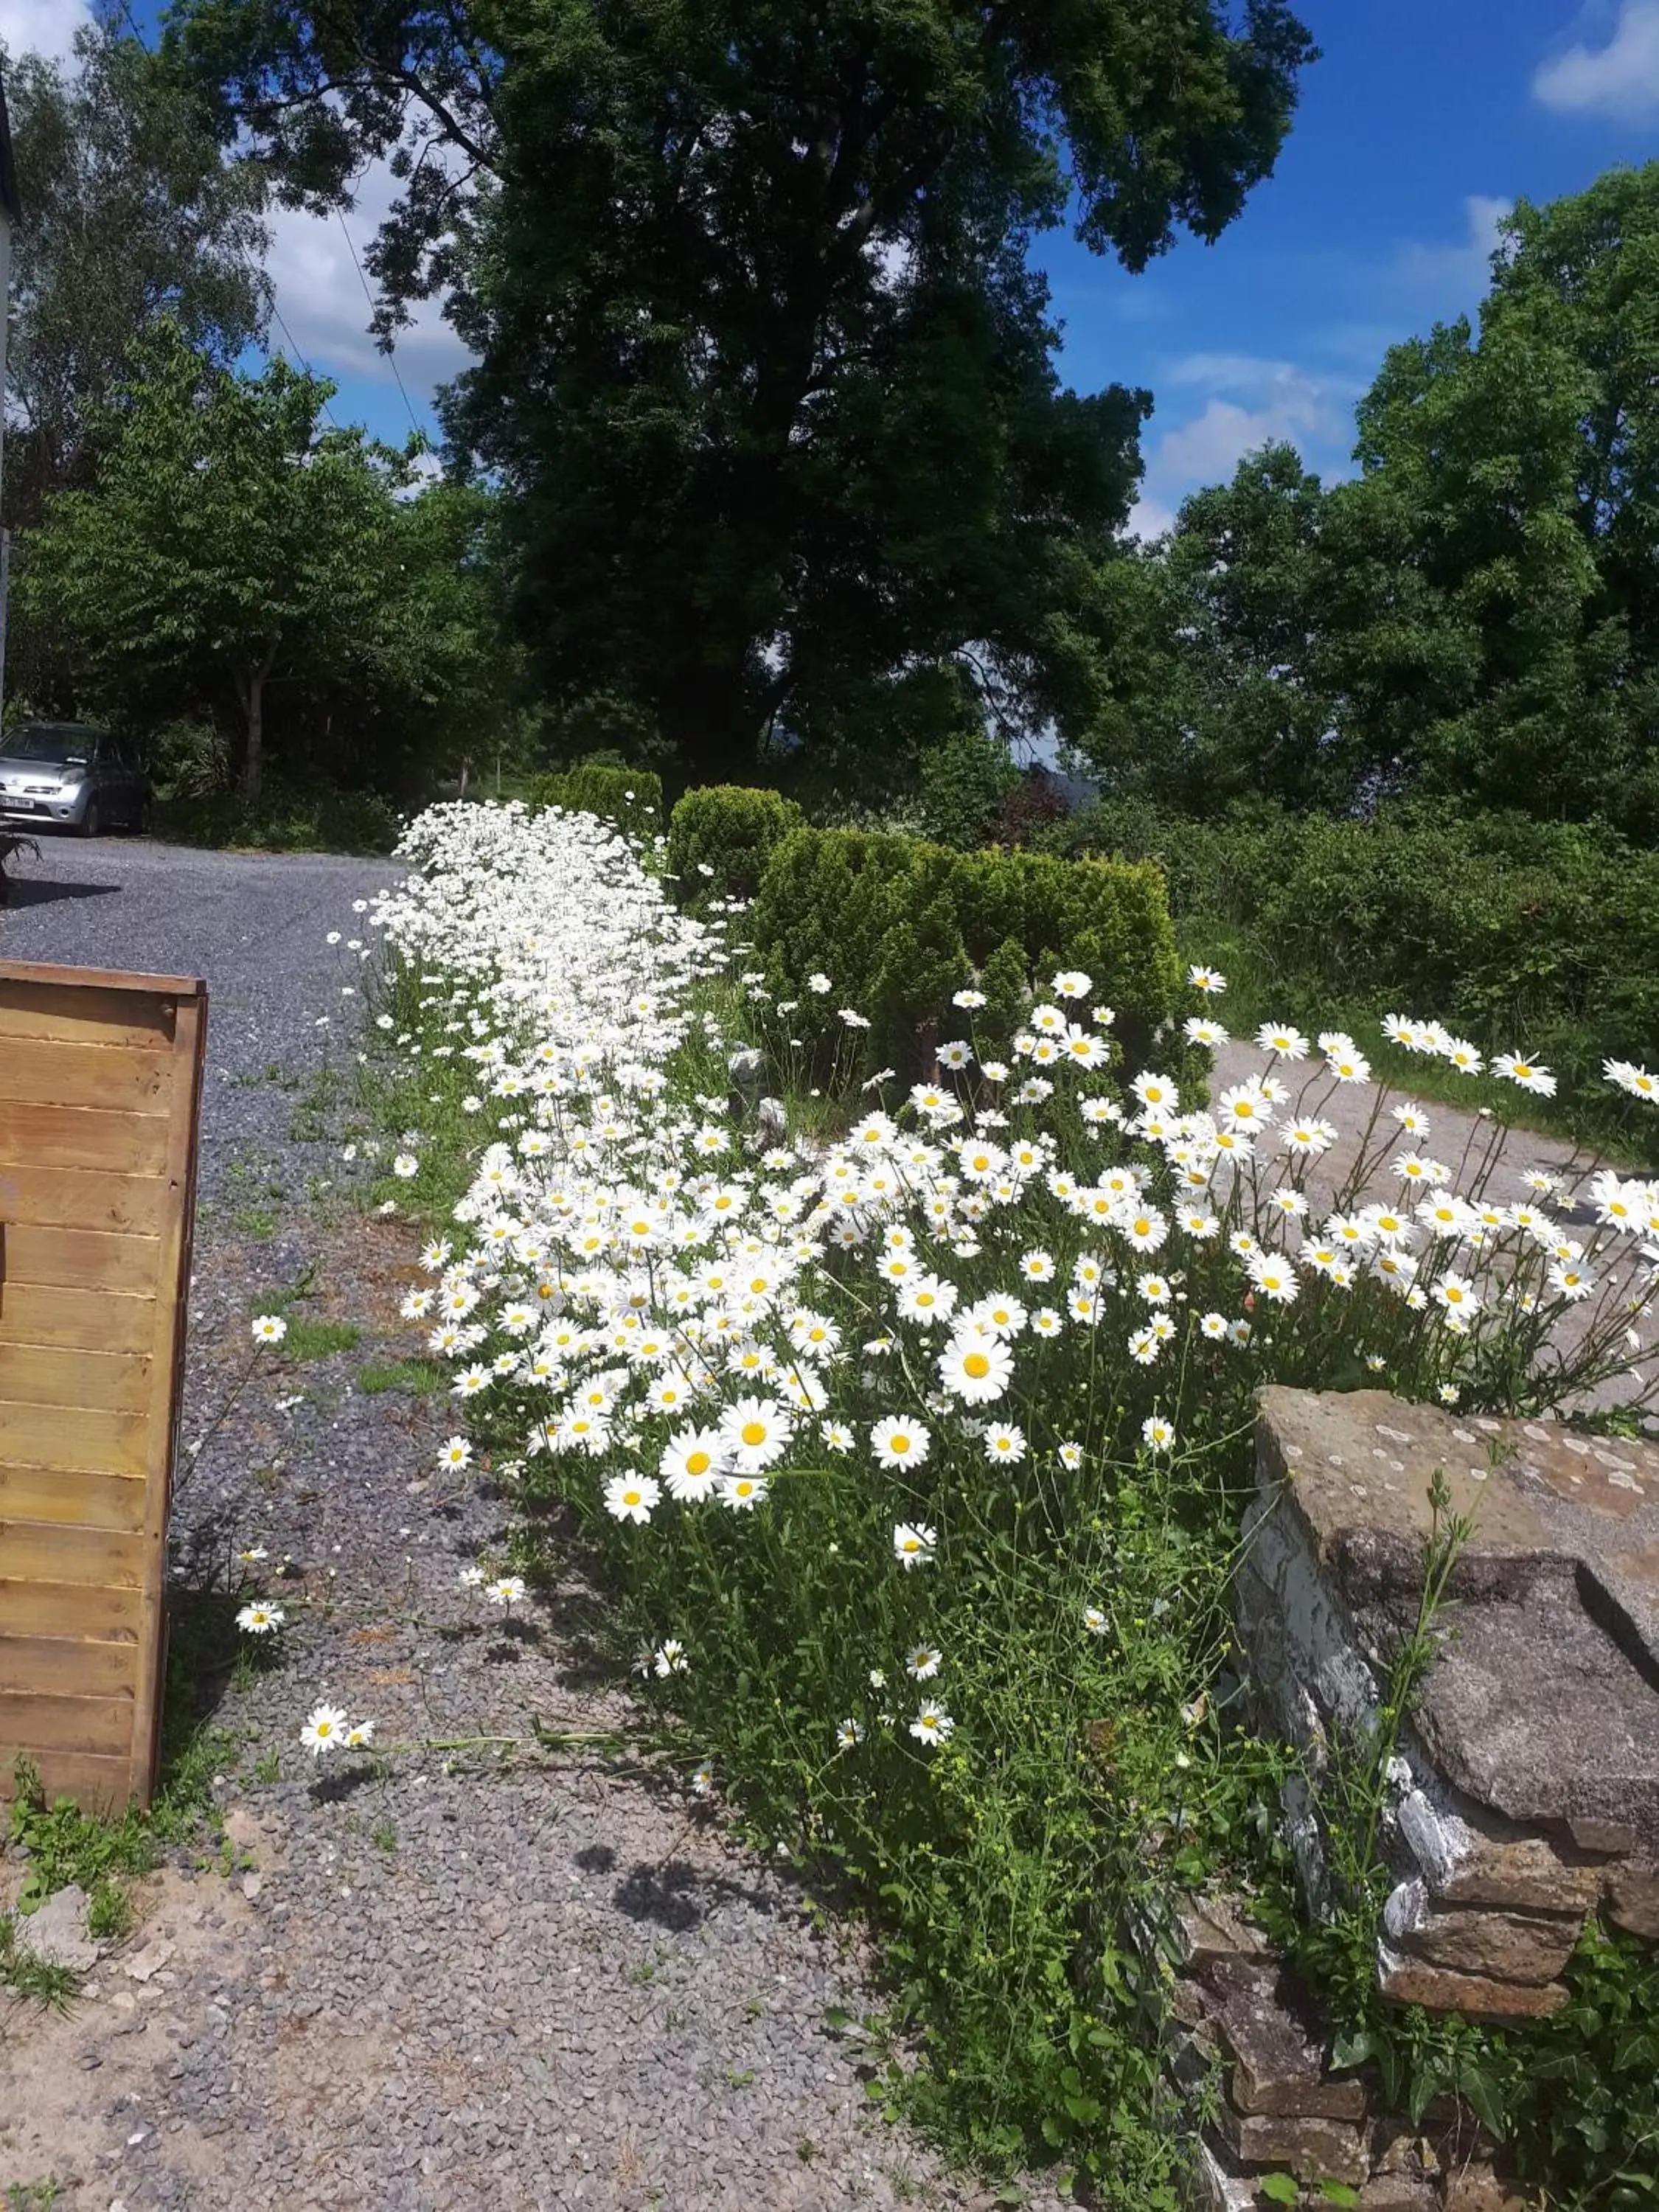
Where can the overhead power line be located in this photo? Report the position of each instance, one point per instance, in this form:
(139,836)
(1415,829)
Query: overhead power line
(391,355)
(275,312)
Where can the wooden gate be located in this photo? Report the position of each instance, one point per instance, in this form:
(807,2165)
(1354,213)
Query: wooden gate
(100,1080)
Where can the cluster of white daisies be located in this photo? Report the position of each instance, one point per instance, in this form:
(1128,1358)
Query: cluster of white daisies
(701,1308)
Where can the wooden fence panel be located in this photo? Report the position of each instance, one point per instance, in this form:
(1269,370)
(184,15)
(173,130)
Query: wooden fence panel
(100,1086)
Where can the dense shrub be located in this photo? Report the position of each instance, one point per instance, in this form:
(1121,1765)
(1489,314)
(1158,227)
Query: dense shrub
(898,926)
(1519,934)
(721,838)
(629,797)
(310,821)
(964,783)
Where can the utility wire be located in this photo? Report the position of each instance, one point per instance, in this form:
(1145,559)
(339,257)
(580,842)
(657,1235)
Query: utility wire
(414,420)
(258,268)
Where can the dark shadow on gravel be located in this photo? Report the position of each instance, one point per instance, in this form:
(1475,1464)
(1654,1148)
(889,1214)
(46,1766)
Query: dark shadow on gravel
(25,890)
(336,1788)
(678,1896)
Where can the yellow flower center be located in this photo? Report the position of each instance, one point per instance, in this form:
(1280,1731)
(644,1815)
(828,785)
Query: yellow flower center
(899,1443)
(754,1432)
(697,1464)
(978,1365)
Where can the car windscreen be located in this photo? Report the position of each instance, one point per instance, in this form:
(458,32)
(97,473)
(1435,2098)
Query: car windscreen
(60,747)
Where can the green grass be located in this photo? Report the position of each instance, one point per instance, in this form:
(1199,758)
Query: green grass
(319,1340)
(32,2196)
(421,1378)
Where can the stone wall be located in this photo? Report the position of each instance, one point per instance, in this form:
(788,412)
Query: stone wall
(1525,1796)
(1527,1791)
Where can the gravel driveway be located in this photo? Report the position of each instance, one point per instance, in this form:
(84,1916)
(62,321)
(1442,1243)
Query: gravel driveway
(474,1977)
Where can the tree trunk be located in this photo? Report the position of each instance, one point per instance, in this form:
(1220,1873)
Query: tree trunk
(252,690)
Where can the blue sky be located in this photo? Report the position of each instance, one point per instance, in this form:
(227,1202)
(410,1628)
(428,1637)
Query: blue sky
(1418,127)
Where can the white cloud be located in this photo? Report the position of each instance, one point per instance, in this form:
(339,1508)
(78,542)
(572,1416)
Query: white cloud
(1620,80)
(1250,402)
(1458,272)
(44,27)
(321,299)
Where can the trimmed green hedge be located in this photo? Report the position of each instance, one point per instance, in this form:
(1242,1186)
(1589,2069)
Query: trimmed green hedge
(629,797)
(898,926)
(1520,934)
(721,838)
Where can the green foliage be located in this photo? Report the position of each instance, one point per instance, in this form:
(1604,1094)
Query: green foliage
(155,569)
(309,1337)
(963,785)
(899,926)
(1519,934)
(721,836)
(791,504)
(232,552)
(286,819)
(128,204)
(1472,615)
(629,797)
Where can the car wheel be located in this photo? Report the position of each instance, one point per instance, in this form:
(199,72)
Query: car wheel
(90,822)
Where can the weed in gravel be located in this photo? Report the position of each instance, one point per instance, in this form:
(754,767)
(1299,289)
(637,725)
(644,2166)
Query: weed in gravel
(32,2196)
(267,1767)
(421,1378)
(26,1976)
(383,1836)
(321,1339)
(109,1911)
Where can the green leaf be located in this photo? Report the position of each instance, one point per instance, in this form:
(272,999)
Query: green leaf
(1338,2193)
(1354,2049)
(1281,2188)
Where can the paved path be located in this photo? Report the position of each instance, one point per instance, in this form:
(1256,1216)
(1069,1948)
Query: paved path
(431,1990)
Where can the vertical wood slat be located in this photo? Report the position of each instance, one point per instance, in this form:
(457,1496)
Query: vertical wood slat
(168,1377)
(85,1473)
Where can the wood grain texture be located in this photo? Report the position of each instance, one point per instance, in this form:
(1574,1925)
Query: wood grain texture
(105,1381)
(35,1722)
(100,1321)
(84,1501)
(59,1552)
(82,1014)
(108,1142)
(89,1443)
(190,1044)
(100,1080)
(69,1610)
(53,1072)
(63,1666)
(97,1785)
(51,1256)
(82,1197)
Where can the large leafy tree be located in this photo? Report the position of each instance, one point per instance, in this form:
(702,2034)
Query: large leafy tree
(230,544)
(1475,617)
(132,213)
(762,355)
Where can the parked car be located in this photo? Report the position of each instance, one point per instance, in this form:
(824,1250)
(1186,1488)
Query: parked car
(67,773)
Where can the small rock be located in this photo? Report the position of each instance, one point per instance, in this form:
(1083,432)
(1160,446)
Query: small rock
(57,1934)
(142,1964)
(241,1827)
(252,1885)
